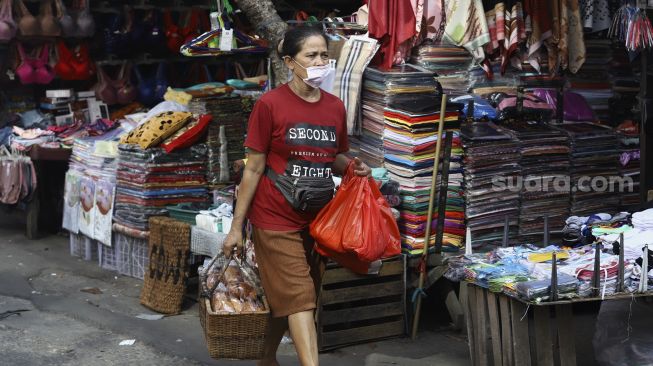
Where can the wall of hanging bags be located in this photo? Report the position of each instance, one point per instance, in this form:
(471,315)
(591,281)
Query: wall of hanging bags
(126,53)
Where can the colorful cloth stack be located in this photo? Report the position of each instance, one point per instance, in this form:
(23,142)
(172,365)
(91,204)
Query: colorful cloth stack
(148,180)
(544,160)
(406,87)
(594,161)
(593,80)
(410,140)
(491,163)
(225,134)
(450,63)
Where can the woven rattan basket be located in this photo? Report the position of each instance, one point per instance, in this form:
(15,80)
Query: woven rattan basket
(164,283)
(239,336)
(233,335)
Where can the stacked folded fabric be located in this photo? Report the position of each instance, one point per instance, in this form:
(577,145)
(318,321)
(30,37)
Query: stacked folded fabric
(541,289)
(450,63)
(405,87)
(625,86)
(594,164)
(90,185)
(545,167)
(410,140)
(490,163)
(226,133)
(592,81)
(148,180)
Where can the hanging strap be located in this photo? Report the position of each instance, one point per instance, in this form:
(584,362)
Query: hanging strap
(5,10)
(139,77)
(21,52)
(23,9)
(240,71)
(61,8)
(46,8)
(160,71)
(45,53)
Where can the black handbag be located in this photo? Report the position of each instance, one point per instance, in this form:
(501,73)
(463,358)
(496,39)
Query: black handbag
(305,194)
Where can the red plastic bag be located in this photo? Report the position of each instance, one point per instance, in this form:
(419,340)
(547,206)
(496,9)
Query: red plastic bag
(358,220)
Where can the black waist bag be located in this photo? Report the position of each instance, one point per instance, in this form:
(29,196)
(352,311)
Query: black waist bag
(305,194)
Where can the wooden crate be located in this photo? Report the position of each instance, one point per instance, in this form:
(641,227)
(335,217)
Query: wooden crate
(356,308)
(505,331)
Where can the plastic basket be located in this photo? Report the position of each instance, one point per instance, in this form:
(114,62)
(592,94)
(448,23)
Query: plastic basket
(77,243)
(206,243)
(186,212)
(107,257)
(83,247)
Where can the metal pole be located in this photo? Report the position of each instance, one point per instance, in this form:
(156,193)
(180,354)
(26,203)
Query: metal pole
(429,217)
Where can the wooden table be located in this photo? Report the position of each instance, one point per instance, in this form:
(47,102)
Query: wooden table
(40,157)
(503,330)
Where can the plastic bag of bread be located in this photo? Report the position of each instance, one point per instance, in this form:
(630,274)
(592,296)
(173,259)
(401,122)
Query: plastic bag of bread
(231,288)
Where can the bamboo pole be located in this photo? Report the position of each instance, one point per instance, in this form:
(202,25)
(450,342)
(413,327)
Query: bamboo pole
(429,217)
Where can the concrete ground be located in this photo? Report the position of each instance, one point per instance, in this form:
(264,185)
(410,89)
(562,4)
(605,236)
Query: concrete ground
(46,318)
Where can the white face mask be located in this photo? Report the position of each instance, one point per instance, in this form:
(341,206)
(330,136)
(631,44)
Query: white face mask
(315,75)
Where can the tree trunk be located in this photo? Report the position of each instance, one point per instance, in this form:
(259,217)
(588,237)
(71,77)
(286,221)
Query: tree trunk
(263,15)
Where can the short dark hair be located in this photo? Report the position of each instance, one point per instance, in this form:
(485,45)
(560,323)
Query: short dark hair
(295,38)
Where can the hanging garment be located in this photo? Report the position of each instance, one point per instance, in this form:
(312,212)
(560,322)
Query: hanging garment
(467,27)
(7,24)
(74,66)
(566,47)
(595,15)
(392,22)
(515,29)
(79,24)
(17,177)
(45,24)
(434,19)
(118,91)
(34,70)
(356,54)
(539,14)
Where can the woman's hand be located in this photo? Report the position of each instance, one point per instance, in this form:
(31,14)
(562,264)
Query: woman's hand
(361,169)
(233,240)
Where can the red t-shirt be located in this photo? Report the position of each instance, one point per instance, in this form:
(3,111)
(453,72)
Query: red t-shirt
(300,138)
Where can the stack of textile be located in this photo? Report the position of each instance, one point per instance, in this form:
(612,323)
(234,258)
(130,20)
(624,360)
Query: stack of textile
(90,186)
(491,166)
(405,87)
(625,86)
(225,134)
(96,156)
(148,180)
(545,166)
(592,81)
(450,63)
(594,162)
(410,140)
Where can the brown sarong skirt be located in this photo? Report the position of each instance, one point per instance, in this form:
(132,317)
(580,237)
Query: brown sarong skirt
(290,270)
